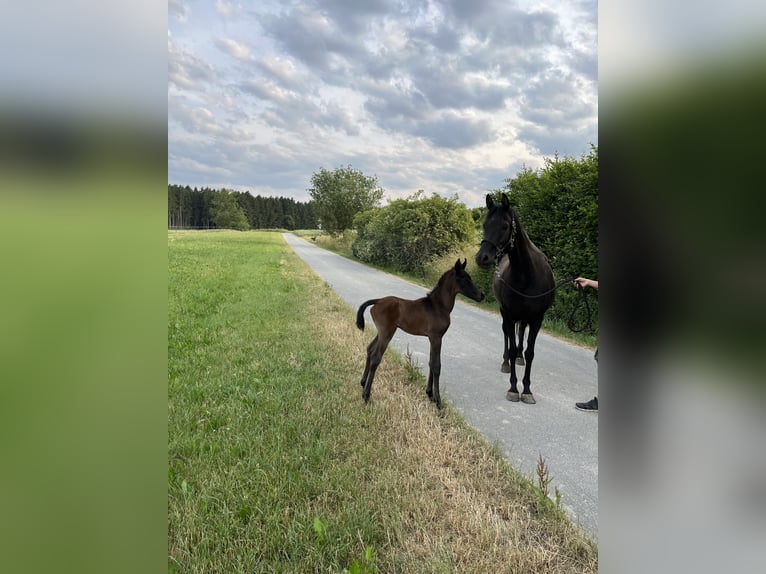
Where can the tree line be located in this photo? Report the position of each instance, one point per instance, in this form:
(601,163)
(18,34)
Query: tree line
(206,208)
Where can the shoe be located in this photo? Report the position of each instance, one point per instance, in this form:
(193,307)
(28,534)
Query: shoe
(591,405)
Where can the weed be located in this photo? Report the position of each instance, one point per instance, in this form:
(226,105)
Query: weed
(412,367)
(542,489)
(366,566)
(320,530)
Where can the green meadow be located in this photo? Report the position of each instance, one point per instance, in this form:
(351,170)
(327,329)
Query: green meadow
(275,464)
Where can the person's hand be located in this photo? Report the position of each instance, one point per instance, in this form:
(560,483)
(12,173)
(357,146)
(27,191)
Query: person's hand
(584,282)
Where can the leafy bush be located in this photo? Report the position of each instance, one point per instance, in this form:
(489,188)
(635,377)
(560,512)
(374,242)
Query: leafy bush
(558,206)
(408,233)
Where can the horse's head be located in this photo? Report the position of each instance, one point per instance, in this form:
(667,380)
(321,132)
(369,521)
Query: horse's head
(500,230)
(465,284)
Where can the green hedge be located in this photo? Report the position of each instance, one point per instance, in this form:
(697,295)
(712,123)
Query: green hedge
(558,206)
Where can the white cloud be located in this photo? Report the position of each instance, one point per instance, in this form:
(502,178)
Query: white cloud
(178,9)
(235,49)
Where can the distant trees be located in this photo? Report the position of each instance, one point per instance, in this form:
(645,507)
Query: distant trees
(340,194)
(408,233)
(193,208)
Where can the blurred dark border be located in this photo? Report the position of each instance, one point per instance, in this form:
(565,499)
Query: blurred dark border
(683,332)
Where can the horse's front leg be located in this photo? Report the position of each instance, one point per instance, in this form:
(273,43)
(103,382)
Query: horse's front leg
(513,393)
(435,368)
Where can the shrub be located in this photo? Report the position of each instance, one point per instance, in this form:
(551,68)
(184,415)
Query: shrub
(408,233)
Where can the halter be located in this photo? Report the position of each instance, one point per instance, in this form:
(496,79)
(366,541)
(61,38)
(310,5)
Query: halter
(500,251)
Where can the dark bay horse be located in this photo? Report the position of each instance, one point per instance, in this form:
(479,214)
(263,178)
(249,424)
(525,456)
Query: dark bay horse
(523,285)
(427,316)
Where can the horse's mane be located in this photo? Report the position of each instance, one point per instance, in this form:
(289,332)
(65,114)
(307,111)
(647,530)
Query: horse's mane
(438,284)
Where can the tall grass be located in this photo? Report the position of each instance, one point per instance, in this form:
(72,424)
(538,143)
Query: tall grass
(276,464)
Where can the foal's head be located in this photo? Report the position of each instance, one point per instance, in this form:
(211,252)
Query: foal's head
(500,230)
(465,284)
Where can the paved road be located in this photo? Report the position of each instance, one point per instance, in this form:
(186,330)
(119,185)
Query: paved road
(471,381)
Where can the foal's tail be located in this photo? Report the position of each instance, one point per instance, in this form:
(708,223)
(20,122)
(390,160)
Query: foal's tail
(360,313)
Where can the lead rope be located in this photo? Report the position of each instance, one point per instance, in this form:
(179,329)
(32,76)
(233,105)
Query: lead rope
(582,299)
(588,323)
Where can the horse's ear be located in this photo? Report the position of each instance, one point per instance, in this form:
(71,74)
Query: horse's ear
(506,203)
(465,262)
(490,203)
(457,264)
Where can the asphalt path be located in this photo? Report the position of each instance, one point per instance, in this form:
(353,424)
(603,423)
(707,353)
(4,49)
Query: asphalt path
(472,383)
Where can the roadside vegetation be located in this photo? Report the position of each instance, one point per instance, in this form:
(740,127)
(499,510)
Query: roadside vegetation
(420,236)
(276,465)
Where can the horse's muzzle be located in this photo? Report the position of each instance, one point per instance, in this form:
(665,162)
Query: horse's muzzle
(484,259)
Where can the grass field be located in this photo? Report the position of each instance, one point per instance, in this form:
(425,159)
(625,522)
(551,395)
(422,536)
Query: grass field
(276,465)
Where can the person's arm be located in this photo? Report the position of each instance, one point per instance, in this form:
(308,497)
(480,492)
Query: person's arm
(584,282)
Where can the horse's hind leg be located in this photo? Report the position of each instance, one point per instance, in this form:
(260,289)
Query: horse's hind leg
(506,366)
(370,348)
(375,357)
(521,326)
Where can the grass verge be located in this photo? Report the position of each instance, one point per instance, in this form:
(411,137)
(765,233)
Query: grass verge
(276,464)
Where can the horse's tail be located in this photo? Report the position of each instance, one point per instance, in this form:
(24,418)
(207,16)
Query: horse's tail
(360,312)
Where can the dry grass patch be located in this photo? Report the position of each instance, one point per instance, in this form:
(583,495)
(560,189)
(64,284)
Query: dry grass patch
(462,508)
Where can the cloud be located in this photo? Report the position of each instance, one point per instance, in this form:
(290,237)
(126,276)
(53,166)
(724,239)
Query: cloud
(286,73)
(228,10)
(559,114)
(187,71)
(450,97)
(234,49)
(453,131)
(178,9)
(309,36)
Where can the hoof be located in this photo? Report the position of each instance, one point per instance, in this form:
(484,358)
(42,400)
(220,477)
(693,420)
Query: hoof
(520,361)
(513,397)
(505,367)
(528,398)
(430,394)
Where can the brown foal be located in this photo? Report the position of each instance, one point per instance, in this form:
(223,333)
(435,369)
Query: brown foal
(427,316)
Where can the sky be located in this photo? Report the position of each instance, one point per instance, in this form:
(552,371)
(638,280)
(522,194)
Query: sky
(452,97)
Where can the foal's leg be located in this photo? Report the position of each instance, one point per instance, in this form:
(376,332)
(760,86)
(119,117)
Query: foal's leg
(521,327)
(434,370)
(534,329)
(375,357)
(370,349)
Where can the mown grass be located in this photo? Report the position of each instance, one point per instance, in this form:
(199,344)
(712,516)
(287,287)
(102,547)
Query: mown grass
(276,464)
